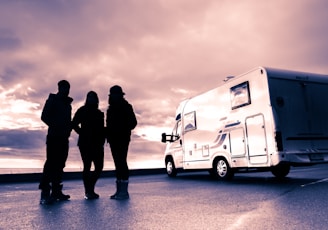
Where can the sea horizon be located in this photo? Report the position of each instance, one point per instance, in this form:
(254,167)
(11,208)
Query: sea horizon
(5,171)
(77,166)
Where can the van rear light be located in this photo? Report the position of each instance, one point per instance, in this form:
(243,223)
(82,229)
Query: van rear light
(278,138)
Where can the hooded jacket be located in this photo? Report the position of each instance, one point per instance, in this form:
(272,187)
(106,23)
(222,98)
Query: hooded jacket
(57,113)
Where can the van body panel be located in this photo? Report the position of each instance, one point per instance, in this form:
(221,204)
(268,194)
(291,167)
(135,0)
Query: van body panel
(258,119)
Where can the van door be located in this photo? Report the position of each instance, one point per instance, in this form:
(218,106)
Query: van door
(176,145)
(238,148)
(256,139)
(237,142)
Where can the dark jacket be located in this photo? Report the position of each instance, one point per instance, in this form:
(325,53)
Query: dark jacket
(120,120)
(88,122)
(57,113)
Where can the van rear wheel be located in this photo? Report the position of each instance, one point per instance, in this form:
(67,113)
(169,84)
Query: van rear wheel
(222,170)
(281,170)
(170,167)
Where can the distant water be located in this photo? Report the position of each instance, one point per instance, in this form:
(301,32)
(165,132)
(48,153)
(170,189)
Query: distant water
(30,170)
(19,171)
(132,165)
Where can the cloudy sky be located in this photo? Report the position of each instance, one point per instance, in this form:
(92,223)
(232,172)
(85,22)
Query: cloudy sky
(159,51)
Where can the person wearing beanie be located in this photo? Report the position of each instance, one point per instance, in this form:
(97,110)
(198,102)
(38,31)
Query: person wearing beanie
(88,122)
(56,114)
(120,121)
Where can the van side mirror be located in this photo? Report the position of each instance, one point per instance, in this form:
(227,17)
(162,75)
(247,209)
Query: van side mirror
(163,137)
(172,137)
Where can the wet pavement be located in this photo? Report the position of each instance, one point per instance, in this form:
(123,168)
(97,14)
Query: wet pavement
(20,208)
(190,201)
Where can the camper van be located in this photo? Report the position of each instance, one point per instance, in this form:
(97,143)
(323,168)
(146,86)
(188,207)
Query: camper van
(266,119)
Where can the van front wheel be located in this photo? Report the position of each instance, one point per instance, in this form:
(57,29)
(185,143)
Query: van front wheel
(222,170)
(170,168)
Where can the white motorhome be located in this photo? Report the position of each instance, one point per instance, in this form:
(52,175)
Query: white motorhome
(265,119)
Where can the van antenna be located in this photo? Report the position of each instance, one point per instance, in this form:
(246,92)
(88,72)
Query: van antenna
(228,78)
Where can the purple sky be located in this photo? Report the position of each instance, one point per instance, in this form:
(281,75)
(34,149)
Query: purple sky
(159,51)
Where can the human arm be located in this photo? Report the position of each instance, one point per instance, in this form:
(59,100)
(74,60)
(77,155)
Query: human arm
(77,119)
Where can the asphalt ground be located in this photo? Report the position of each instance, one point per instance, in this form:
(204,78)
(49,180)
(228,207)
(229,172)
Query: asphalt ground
(20,208)
(253,201)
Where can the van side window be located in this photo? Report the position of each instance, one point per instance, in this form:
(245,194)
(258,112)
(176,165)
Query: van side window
(190,121)
(240,95)
(176,132)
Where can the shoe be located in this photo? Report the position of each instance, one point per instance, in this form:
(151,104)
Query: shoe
(122,193)
(91,196)
(120,196)
(46,199)
(60,196)
(57,193)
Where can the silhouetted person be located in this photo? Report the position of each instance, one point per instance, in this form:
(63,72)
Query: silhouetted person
(88,122)
(120,121)
(57,115)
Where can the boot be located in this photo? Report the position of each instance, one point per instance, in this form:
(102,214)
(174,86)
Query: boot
(118,188)
(90,194)
(123,191)
(45,197)
(89,186)
(57,193)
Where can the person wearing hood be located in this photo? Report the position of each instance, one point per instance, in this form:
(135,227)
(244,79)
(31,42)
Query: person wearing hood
(56,114)
(88,122)
(120,120)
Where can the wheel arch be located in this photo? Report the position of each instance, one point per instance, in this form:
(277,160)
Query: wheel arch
(169,157)
(219,156)
(229,171)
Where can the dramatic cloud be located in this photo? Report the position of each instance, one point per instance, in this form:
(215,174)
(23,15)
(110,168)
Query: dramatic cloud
(159,51)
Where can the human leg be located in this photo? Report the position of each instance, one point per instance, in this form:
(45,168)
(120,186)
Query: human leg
(48,173)
(90,178)
(60,147)
(84,150)
(44,185)
(119,149)
(119,152)
(98,161)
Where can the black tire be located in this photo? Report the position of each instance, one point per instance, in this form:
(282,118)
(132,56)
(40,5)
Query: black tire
(170,167)
(221,169)
(281,170)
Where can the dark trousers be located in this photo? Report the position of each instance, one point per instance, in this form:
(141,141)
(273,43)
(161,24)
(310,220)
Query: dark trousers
(57,153)
(119,148)
(95,155)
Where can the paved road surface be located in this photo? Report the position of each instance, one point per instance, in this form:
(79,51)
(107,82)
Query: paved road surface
(190,201)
